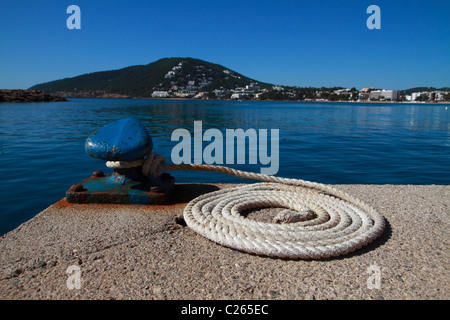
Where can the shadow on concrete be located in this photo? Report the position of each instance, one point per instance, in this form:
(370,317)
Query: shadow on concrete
(384,238)
(380,241)
(186,192)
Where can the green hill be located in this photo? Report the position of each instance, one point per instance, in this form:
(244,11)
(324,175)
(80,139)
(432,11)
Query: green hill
(142,80)
(185,77)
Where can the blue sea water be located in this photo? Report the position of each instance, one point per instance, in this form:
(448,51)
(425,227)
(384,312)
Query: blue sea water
(42,144)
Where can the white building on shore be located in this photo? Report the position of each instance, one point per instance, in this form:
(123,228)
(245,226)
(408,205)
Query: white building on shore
(239,95)
(160,94)
(429,95)
(384,95)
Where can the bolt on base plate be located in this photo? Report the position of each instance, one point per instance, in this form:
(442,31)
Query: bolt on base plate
(120,189)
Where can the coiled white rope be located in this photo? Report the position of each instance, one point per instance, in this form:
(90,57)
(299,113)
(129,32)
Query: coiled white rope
(321,221)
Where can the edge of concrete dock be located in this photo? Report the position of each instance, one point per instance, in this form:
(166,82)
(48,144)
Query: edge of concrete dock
(147,252)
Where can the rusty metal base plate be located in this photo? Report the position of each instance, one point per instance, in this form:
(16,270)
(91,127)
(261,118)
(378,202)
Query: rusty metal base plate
(110,189)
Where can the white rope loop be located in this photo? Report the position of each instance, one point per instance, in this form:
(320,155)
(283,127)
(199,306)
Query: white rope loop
(334,223)
(152,165)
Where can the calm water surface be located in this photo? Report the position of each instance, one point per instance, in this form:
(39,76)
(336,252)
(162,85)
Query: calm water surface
(42,144)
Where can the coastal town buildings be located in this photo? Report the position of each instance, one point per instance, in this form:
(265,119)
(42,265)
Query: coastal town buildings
(197,82)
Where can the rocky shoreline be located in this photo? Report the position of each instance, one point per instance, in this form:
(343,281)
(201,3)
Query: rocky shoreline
(18,95)
(91,94)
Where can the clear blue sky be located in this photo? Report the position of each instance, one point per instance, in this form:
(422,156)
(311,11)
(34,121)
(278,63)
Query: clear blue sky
(289,42)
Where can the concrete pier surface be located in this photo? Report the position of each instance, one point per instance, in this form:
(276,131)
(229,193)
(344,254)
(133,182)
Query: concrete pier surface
(146,252)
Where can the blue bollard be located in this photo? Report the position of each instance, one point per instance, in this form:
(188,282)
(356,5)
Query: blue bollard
(123,140)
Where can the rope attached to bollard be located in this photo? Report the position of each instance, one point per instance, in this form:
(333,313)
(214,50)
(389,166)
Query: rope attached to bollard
(325,222)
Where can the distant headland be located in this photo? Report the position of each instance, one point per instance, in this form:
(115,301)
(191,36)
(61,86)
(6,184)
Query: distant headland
(189,78)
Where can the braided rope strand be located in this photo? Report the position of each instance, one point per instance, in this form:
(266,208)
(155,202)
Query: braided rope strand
(338,223)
